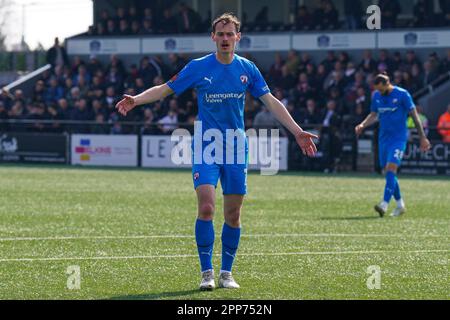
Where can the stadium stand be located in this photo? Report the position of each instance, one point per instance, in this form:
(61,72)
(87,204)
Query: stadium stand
(329,95)
(322,15)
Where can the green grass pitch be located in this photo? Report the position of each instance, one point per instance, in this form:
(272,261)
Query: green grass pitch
(305,236)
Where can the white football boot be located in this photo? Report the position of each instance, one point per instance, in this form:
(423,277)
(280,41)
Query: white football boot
(381,208)
(207,283)
(398,211)
(226,281)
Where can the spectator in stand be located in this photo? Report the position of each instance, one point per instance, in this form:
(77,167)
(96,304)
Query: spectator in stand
(410,60)
(330,16)
(100,127)
(176,63)
(57,55)
(292,61)
(148,16)
(390,9)
(54,115)
(429,74)
(169,122)
(121,14)
(353,13)
(135,27)
(38,112)
(275,72)
(148,70)
(423,14)
(262,18)
(330,137)
(139,85)
(133,14)
(264,119)
(124,29)
(149,128)
(103,19)
(329,61)
(303,20)
(94,65)
(446,63)
(3,117)
(350,121)
(445,15)
(417,77)
(64,109)
(81,113)
(384,62)
(111,29)
(39,91)
(444,125)
(147,27)
(54,92)
(310,116)
(188,20)
(287,80)
(168,23)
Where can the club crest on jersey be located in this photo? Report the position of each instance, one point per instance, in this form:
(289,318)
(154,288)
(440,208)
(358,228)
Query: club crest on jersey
(244,79)
(196,176)
(395,101)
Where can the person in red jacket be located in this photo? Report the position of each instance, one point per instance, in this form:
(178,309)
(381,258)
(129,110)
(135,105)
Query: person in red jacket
(444,125)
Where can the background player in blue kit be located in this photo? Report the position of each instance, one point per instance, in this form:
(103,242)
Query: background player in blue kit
(392,105)
(221,80)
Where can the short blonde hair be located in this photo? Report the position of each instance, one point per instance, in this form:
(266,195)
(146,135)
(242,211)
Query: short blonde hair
(226,18)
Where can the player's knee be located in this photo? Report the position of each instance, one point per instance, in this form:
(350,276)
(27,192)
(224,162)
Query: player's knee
(391,168)
(233,217)
(206,211)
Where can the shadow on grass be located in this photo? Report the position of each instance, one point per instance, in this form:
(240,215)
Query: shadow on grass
(350,218)
(153,296)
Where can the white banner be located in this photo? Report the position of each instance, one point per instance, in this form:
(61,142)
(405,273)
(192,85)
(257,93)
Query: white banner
(334,41)
(104,150)
(265,43)
(104,46)
(250,42)
(157,153)
(178,44)
(411,39)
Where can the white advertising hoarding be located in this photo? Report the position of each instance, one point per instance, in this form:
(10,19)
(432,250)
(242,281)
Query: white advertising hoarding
(157,153)
(177,44)
(412,39)
(104,46)
(264,43)
(104,150)
(334,41)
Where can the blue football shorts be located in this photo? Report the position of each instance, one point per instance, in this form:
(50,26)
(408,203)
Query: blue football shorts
(391,152)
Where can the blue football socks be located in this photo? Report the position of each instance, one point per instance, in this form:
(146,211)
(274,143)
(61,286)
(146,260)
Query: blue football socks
(204,235)
(389,189)
(230,243)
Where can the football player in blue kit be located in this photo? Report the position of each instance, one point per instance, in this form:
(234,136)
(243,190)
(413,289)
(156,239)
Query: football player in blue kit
(221,80)
(391,105)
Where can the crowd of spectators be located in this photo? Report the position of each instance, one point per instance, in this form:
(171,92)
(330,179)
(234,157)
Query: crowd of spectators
(323,16)
(330,96)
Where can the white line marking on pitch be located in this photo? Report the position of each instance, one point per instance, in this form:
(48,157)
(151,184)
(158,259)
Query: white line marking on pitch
(175,236)
(265,254)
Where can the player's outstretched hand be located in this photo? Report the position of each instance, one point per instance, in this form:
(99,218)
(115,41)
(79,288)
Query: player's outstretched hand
(359,129)
(425,144)
(304,140)
(126,104)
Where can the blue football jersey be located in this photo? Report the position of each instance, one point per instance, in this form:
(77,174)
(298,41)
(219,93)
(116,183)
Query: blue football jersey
(220,89)
(393,110)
